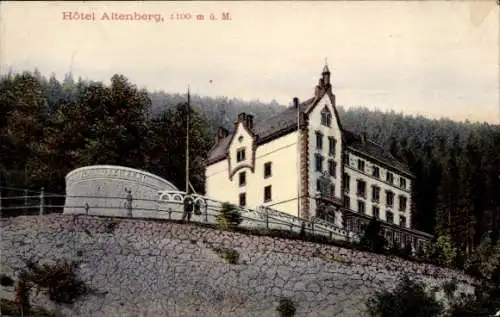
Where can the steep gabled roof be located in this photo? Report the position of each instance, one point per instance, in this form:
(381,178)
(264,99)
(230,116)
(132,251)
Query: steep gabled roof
(265,131)
(286,122)
(374,151)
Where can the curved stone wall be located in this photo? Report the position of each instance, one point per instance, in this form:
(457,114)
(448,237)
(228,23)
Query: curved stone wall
(155,268)
(104,190)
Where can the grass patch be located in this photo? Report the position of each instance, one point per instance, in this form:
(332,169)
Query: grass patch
(230,255)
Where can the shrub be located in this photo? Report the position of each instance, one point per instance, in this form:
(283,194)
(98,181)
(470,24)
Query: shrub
(59,281)
(449,288)
(286,308)
(230,255)
(372,239)
(408,299)
(485,302)
(110,227)
(228,217)
(6,281)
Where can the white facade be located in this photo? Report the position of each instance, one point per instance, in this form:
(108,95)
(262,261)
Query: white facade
(330,131)
(223,180)
(355,171)
(312,164)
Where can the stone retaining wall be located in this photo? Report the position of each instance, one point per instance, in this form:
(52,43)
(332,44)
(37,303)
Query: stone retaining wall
(150,268)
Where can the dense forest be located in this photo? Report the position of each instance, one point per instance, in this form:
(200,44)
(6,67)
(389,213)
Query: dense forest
(49,127)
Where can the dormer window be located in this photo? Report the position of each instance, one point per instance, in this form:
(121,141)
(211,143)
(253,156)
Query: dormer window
(326,117)
(240,155)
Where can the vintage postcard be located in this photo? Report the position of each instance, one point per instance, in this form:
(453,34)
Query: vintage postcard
(250,158)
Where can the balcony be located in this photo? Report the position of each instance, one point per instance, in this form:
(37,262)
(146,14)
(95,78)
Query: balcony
(329,198)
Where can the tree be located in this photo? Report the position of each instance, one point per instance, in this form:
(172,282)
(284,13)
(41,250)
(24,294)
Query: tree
(167,146)
(485,261)
(442,251)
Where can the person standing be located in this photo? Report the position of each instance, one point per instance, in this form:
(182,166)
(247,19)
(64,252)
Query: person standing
(128,203)
(188,207)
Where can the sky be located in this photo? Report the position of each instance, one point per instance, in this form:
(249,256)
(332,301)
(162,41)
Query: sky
(432,58)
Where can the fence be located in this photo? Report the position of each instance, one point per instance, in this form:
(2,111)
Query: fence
(169,205)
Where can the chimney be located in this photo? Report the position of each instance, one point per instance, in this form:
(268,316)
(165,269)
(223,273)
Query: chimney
(296,102)
(246,119)
(221,134)
(242,117)
(249,122)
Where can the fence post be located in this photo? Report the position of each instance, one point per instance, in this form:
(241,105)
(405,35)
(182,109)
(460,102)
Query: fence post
(25,200)
(41,201)
(206,211)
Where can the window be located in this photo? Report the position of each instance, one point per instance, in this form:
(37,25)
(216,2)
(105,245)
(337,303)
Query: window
(243,179)
(361,165)
(240,155)
(361,188)
(375,212)
(319,163)
(346,159)
(390,177)
(361,207)
(324,187)
(332,190)
(332,168)
(326,117)
(389,198)
(332,144)
(402,182)
(376,172)
(375,193)
(402,203)
(402,221)
(319,140)
(267,193)
(243,199)
(390,217)
(267,170)
(347,182)
(347,202)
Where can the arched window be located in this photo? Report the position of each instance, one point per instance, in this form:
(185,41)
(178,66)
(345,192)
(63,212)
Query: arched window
(326,117)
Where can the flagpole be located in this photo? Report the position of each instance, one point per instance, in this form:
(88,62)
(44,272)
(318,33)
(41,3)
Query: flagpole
(298,159)
(187,139)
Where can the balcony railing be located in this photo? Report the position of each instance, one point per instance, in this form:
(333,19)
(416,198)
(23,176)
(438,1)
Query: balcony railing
(329,198)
